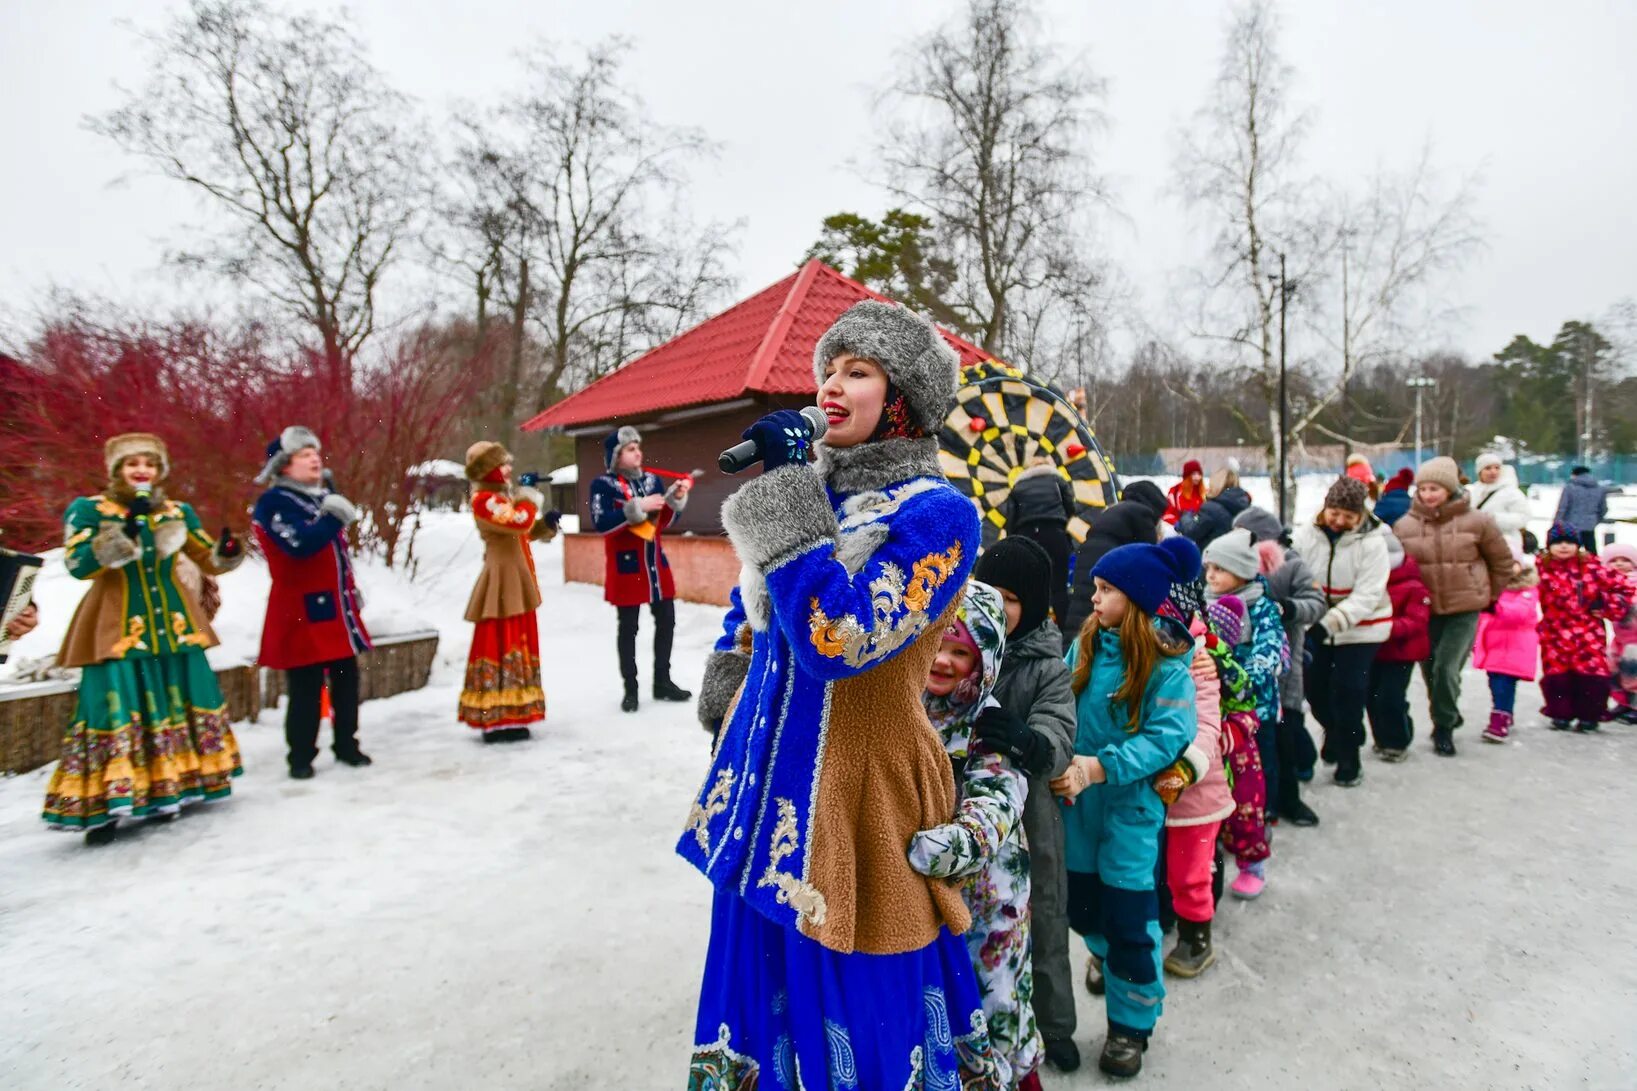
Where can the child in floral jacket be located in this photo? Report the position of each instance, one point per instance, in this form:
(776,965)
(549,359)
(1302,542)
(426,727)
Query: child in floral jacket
(984,845)
(1578,596)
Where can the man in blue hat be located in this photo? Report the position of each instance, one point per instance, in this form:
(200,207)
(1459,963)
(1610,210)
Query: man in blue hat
(630,508)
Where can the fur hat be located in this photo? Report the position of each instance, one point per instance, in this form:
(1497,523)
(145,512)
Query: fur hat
(1562,532)
(282,448)
(1192,466)
(1440,471)
(1401,481)
(123,446)
(1147,494)
(1264,526)
(1023,567)
(1487,459)
(1226,617)
(1347,494)
(1145,572)
(483,458)
(1235,552)
(616,441)
(917,359)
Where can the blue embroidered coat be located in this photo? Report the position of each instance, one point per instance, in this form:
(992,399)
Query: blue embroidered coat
(313,609)
(826,764)
(635,570)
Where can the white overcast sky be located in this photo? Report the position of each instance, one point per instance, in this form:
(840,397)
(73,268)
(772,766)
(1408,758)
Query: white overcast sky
(1540,97)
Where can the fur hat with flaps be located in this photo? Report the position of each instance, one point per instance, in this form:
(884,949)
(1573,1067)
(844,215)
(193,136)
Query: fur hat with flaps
(123,446)
(485,457)
(617,441)
(282,448)
(918,361)
(982,614)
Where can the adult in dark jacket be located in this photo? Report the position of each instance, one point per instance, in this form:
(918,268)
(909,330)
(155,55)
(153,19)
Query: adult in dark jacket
(1395,497)
(1034,687)
(1135,518)
(1584,504)
(1039,508)
(1223,504)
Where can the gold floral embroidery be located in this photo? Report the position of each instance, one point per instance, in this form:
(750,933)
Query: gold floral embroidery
(800,896)
(845,638)
(179,628)
(716,801)
(78,537)
(106,506)
(132,641)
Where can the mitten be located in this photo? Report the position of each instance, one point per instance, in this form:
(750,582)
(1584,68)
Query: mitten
(784,438)
(340,508)
(1001,732)
(1190,766)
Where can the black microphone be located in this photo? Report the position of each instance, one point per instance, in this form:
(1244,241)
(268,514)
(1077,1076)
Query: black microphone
(742,456)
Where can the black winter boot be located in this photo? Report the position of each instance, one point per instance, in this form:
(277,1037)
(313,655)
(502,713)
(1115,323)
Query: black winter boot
(1062,1054)
(1443,742)
(630,702)
(1122,1054)
(1094,976)
(100,835)
(1586,725)
(1562,725)
(667,690)
(1298,813)
(1193,953)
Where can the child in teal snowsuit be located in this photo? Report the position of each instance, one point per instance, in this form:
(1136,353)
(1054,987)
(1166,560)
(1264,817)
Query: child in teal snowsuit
(1129,727)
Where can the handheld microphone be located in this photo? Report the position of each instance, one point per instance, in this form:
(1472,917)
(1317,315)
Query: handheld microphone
(328,477)
(742,456)
(140,506)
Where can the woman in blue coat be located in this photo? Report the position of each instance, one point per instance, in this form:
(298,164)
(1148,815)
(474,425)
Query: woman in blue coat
(1135,713)
(832,962)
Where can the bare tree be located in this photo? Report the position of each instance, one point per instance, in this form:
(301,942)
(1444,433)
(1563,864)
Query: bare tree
(990,143)
(281,121)
(573,202)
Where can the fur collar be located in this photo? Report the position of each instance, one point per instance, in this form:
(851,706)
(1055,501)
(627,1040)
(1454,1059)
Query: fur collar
(315,492)
(122,494)
(874,466)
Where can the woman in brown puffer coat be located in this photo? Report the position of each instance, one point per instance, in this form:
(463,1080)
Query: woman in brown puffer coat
(1465,564)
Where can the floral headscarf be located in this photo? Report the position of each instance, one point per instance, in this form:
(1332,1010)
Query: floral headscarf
(983,612)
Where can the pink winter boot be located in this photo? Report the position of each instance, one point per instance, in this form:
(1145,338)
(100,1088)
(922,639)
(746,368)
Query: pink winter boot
(1500,726)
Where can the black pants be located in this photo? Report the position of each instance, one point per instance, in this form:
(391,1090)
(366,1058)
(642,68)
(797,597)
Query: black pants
(305,684)
(1390,723)
(1054,539)
(1338,687)
(664,630)
(1289,736)
(1588,541)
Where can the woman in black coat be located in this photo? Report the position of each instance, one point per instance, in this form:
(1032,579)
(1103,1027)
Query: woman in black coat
(1136,518)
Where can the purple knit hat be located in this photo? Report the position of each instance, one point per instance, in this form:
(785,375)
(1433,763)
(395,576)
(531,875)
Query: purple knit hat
(1226,617)
(1562,532)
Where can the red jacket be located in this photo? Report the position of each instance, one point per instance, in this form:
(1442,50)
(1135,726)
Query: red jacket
(635,569)
(1178,503)
(1412,610)
(1577,597)
(313,609)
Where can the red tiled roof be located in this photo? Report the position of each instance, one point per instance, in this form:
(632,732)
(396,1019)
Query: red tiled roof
(762,345)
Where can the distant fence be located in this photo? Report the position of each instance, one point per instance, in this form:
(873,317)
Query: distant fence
(1532,469)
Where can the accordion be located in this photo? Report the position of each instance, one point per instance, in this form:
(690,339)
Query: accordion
(17,572)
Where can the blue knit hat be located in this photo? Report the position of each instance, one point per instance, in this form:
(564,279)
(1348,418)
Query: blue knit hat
(1145,572)
(616,440)
(1562,531)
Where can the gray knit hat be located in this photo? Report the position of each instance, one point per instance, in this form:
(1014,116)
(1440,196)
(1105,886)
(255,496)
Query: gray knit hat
(1235,552)
(917,359)
(1264,526)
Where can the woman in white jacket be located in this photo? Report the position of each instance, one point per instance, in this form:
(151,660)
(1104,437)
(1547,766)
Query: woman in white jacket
(1346,551)
(1497,493)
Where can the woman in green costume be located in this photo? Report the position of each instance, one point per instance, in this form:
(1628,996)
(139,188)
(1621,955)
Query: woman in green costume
(150,731)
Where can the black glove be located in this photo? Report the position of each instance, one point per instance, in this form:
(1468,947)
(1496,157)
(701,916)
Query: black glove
(227,545)
(1001,732)
(785,437)
(553,518)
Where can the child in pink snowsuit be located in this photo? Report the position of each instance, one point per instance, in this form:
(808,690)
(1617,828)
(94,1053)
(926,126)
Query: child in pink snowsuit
(1623,647)
(1508,646)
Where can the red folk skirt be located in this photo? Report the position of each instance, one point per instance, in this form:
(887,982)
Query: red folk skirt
(503,675)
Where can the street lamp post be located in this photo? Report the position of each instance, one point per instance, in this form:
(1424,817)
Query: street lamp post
(1419,383)
(1286,289)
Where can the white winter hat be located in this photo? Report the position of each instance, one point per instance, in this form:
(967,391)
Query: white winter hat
(1488,458)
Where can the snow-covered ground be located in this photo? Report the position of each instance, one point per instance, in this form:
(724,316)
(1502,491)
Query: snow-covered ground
(459,916)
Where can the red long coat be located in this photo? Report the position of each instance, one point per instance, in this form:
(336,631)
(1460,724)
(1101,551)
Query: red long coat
(1577,598)
(635,570)
(1412,610)
(313,609)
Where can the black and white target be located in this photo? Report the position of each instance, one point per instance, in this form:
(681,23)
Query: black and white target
(1002,420)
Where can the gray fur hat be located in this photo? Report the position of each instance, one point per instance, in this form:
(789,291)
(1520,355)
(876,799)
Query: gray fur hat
(281,450)
(917,359)
(616,441)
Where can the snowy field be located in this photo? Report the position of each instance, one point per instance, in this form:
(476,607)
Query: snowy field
(459,916)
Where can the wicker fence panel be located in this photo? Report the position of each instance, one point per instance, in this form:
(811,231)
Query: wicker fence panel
(397,664)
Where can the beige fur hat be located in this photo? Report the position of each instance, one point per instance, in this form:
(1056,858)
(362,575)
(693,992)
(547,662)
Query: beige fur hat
(483,458)
(123,446)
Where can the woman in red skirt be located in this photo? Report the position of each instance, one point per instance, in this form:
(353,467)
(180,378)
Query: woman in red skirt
(502,695)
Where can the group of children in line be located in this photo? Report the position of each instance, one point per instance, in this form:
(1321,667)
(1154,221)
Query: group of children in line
(1176,682)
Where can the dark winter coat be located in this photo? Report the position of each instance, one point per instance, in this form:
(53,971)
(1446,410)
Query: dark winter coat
(1392,505)
(1585,503)
(1412,610)
(635,568)
(1040,495)
(1295,590)
(313,609)
(1215,517)
(1119,524)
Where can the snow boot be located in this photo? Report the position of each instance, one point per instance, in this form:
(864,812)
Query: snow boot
(630,703)
(667,690)
(1193,953)
(101,835)
(355,758)
(1392,755)
(1585,727)
(301,772)
(1122,1054)
(1249,882)
(1626,714)
(1562,725)
(1095,985)
(1500,726)
(1349,774)
(1062,1054)
(1298,813)
(1443,742)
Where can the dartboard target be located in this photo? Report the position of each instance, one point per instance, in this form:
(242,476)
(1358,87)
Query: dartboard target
(1001,421)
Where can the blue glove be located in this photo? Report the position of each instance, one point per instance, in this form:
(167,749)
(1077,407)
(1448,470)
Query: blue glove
(784,438)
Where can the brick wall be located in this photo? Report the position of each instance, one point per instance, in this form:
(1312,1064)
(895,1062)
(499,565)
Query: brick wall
(705,568)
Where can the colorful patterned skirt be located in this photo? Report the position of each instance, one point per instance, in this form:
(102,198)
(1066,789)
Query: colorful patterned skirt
(148,736)
(778,1012)
(503,675)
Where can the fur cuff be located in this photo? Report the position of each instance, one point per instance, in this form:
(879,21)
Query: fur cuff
(777,514)
(340,507)
(634,515)
(724,674)
(676,501)
(1198,760)
(113,549)
(533,496)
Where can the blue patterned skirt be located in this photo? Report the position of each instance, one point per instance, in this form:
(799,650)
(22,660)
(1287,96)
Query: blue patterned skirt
(779,1012)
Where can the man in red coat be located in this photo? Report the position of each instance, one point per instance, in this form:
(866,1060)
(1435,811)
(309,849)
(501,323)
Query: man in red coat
(631,509)
(313,627)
